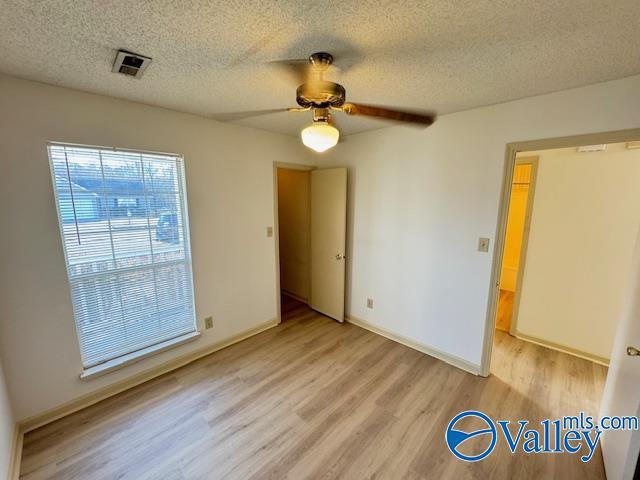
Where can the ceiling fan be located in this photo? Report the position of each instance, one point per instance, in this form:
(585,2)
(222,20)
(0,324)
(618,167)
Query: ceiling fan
(322,97)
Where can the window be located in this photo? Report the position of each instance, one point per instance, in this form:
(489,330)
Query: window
(123,221)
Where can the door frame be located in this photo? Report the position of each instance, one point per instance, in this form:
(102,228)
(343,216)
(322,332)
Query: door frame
(533,161)
(276,223)
(511,151)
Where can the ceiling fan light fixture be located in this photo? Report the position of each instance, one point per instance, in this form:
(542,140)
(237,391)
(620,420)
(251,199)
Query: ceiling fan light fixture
(320,136)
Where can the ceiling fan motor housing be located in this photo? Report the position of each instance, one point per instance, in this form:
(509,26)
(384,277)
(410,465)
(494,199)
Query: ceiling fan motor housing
(320,95)
(321,60)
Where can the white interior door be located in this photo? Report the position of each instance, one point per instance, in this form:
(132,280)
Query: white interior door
(621,396)
(328,239)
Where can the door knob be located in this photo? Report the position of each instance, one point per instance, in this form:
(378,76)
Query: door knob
(633,352)
(339,256)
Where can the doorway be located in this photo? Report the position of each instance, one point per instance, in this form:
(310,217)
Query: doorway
(573,245)
(294,236)
(568,248)
(516,237)
(310,214)
(512,153)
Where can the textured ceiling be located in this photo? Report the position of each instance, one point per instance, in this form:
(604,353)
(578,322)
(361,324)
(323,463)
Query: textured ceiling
(212,56)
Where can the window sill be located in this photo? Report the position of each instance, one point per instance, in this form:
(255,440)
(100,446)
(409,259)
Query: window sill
(123,361)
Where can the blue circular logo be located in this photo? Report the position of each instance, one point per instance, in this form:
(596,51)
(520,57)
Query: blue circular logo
(455,438)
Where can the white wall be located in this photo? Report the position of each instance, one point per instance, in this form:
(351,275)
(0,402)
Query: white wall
(7,427)
(229,173)
(584,224)
(419,200)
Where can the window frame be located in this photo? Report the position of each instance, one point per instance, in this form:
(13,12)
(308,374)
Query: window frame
(122,360)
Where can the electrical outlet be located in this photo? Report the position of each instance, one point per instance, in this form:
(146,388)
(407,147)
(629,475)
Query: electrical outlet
(369,302)
(483,244)
(269,231)
(208,323)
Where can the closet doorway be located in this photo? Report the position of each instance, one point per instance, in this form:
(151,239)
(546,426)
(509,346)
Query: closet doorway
(310,212)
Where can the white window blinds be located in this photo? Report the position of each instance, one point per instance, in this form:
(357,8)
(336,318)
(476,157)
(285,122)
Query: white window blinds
(125,233)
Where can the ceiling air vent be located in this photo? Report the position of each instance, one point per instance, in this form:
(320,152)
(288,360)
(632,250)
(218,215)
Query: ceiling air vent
(592,148)
(130,64)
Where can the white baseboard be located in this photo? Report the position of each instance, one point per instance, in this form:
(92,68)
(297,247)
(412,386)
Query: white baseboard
(421,347)
(294,296)
(68,408)
(562,348)
(16,454)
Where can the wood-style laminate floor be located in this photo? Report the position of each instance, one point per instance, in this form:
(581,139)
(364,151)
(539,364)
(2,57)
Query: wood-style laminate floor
(315,399)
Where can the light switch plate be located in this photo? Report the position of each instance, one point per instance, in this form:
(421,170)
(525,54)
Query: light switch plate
(483,244)
(269,231)
(208,323)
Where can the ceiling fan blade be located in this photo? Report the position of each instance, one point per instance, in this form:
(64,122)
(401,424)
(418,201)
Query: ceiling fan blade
(422,118)
(232,116)
(299,71)
(296,71)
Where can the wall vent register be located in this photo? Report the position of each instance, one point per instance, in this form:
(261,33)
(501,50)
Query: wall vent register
(123,221)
